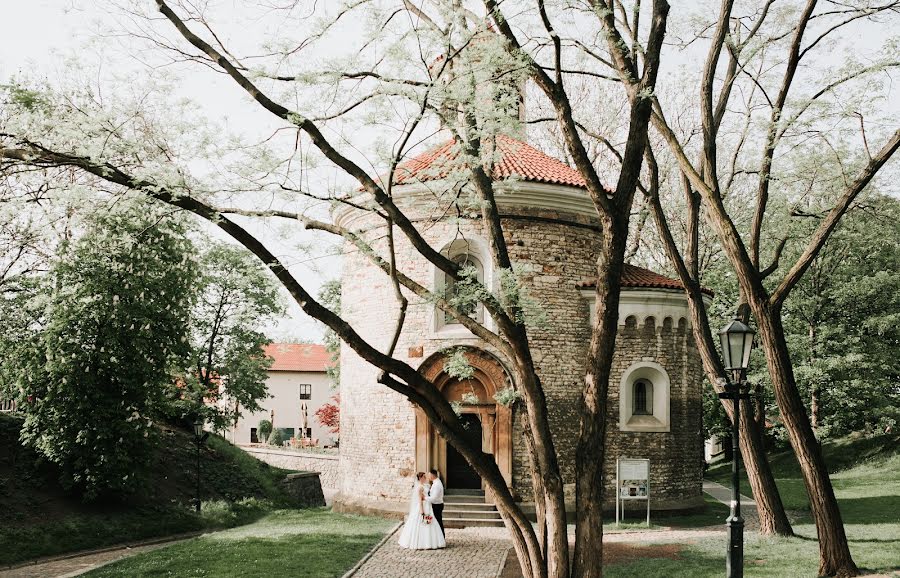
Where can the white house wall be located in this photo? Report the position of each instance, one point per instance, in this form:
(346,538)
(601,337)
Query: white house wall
(284,398)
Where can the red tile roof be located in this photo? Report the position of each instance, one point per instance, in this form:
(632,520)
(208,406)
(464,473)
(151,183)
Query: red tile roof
(517,159)
(640,278)
(298,357)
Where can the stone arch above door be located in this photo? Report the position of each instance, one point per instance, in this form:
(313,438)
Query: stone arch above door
(489,377)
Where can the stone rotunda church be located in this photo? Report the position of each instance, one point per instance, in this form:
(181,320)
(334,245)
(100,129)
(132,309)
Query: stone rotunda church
(552,231)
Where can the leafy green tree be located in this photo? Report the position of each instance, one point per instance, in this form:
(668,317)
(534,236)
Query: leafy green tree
(17,332)
(227,363)
(330,297)
(114,314)
(842,324)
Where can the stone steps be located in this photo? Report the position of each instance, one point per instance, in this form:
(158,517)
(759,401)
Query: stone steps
(452,499)
(471,515)
(469,506)
(472,522)
(466,508)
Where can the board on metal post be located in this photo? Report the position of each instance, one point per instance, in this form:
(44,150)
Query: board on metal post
(632,483)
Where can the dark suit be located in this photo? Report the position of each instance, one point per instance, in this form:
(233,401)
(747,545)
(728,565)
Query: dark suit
(438,510)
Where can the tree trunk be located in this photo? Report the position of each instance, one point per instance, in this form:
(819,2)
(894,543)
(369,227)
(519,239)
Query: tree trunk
(769,507)
(834,551)
(591,449)
(772,517)
(549,490)
(814,387)
(759,411)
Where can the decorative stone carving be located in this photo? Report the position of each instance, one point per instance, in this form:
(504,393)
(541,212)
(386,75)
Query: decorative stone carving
(489,377)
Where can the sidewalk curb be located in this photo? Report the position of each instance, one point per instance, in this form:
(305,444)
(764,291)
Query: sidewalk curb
(503,562)
(371,552)
(122,546)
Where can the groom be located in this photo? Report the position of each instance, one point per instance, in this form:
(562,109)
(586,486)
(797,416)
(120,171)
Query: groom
(436,498)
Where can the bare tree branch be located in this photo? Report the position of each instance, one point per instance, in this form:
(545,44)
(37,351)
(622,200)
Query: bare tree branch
(827,226)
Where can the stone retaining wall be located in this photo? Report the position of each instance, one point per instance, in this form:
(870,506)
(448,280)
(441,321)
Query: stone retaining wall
(327,465)
(305,489)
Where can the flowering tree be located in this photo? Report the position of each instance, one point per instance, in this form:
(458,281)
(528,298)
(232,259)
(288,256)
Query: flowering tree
(91,378)
(329,415)
(417,76)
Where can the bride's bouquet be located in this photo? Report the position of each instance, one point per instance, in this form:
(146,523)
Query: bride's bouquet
(427,519)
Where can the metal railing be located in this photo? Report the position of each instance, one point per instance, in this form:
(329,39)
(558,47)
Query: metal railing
(7,406)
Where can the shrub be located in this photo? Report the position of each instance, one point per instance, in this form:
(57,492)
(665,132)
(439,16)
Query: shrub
(265,429)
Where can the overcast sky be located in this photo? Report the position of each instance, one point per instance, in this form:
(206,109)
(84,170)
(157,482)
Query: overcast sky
(37,36)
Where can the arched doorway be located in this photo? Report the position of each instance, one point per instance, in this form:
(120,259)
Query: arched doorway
(486,421)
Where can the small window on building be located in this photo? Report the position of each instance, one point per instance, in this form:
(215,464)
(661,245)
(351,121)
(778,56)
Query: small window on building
(254,437)
(643,398)
(305,391)
(474,310)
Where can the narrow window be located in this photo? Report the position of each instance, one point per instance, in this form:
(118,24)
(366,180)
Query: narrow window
(643,398)
(455,289)
(305,391)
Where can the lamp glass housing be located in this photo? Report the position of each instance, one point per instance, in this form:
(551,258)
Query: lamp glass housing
(737,343)
(198,428)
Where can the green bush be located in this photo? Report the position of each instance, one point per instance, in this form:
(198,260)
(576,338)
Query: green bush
(276,438)
(116,306)
(265,429)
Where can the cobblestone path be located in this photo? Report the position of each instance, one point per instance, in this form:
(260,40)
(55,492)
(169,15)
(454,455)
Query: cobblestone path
(77,565)
(470,553)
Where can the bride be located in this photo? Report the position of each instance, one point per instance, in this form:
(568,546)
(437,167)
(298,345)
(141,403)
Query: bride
(421,530)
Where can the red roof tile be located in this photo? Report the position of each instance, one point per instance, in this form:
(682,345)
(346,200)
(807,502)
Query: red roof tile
(298,357)
(517,159)
(638,277)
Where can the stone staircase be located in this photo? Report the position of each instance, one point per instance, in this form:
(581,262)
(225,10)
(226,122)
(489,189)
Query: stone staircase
(469,508)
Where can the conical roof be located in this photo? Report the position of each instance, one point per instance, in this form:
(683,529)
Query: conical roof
(516,160)
(639,278)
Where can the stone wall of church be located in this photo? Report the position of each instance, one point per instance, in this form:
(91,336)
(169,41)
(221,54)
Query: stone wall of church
(555,251)
(557,256)
(676,456)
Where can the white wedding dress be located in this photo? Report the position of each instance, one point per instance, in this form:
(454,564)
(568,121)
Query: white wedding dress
(416,533)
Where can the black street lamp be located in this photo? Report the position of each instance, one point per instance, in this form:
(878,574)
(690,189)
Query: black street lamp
(737,342)
(199,437)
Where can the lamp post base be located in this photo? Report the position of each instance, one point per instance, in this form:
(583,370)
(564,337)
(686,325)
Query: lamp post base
(734,563)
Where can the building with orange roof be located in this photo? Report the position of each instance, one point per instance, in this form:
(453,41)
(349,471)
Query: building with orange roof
(298,385)
(553,236)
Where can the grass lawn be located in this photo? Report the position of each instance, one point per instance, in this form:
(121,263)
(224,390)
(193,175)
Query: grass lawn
(866,479)
(296,543)
(713,515)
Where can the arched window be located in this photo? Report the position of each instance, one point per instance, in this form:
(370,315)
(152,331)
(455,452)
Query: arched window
(472,254)
(643,398)
(471,266)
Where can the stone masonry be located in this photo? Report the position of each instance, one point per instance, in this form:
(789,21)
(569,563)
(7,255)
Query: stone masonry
(327,466)
(555,250)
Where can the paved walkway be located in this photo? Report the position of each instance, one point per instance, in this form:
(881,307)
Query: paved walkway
(723,494)
(75,566)
(470,553)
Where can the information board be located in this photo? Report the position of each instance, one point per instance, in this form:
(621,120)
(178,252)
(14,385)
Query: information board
(632,483)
